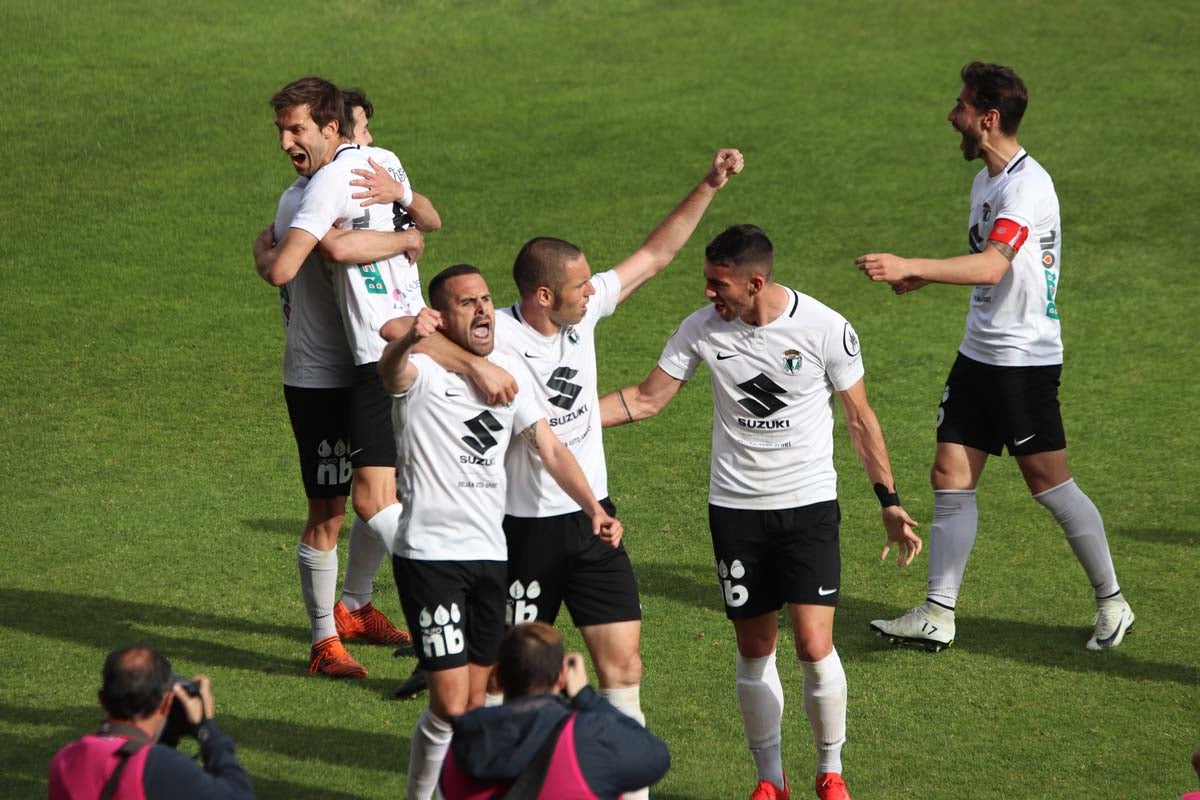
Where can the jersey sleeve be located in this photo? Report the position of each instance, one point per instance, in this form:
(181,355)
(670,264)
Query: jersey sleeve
(843,356)
(608,293)
(324,202)
(425,368)
(680,357)
(1018,202)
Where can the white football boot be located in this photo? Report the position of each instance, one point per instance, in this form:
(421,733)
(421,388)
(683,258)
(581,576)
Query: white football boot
(927,626)
(1114,618)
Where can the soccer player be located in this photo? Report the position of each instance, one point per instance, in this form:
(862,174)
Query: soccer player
(777,358)
(449,552)
(318,376)
(1003,387)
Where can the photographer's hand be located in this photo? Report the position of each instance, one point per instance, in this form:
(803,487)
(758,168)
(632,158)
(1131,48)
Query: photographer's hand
(198,708)
(576,674)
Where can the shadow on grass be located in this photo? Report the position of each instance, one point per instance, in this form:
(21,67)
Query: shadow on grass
(266,789)
(1161,535)
(291,526)
(1060,646)
(693,585)
(106,622)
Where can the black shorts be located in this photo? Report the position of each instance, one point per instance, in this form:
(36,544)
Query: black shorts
(552,559)
(455,610)
(989,408)
(371,420)
(768,558)
(321,425)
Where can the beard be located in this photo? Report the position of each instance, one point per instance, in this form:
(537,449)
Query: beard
(970,147)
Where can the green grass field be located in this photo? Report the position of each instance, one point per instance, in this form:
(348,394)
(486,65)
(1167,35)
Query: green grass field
(151,481)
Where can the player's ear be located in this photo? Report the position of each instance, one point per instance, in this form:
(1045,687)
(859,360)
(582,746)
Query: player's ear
(545,296)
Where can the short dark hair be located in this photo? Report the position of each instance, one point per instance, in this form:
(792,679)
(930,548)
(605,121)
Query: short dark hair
(530,659)
(437,284)
(541,262)
(352,99)
(135,680)
(741,246)
(994,86)
(324,100)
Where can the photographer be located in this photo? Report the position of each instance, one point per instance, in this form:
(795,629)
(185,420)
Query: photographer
(539,744)
(125,759)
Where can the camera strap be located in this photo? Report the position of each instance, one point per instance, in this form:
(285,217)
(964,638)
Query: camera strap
(529,783)
(135,740)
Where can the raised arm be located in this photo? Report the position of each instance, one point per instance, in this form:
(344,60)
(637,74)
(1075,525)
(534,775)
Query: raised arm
(278,263)
(565,470)
(363,247)
(493,381)
(397,371)
(672,233)
(635,403)
(977,269)
(867,437)
(380,186)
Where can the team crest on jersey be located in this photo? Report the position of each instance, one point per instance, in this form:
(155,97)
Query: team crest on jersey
(850,341)
(987,211)
(572,335)
(791,361)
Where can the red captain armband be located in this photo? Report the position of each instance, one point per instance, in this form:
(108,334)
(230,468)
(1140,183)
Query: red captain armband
(1007,232)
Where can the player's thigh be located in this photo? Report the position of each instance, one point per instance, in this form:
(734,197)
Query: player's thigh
(745,572)
(536,568)
(757,636)
(966,415)
(805,553)
(957,466)
(613,647)
(1044,471)
(449,691)
(812,629)
(374,444)
(320,426)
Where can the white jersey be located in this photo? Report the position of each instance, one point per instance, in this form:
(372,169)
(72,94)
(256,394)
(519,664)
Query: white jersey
(315,353)
(564,368)
(368,294)
(773,385)
(450,447)
(1015,323)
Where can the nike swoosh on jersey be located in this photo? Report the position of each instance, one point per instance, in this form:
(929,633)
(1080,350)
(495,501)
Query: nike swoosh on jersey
(723,356)
(453,393)
(531,355)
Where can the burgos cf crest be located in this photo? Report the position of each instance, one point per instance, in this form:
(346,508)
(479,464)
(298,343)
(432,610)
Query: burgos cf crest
(791,361)
(987,211)
(572,335)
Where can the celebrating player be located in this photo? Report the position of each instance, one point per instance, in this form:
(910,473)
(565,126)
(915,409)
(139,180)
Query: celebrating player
(318,376)
(449,552)
(776,358)
(1003,387)
(552,555)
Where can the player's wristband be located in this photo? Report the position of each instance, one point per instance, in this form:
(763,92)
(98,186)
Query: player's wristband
(886,498)
(406,200)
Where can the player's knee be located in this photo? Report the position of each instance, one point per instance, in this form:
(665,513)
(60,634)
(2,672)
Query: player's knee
(620,671)
(813,642)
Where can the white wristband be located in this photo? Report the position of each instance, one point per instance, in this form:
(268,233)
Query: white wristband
(407,199)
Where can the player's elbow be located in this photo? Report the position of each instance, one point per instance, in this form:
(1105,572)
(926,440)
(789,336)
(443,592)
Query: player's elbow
(430,225)
(274,276)
(331,250)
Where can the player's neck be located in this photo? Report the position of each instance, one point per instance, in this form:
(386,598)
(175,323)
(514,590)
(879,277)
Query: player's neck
(769,305)
(537,317)
(997,153)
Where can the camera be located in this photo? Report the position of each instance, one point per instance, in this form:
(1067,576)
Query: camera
(178,724)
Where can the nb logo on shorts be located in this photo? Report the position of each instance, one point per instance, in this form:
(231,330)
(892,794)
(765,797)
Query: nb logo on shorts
(333,465)
(735,594)
(440,634)
(518,610)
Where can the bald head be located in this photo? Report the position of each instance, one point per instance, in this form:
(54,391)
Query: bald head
(135,681)
(543,262)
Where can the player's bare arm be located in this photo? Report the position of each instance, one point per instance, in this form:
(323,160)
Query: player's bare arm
(493,382)
(985,268)
(867,438)
(380,186)
(660,247)
(395,368)
(565,470)
(278,263)
(635,403)
(363,247)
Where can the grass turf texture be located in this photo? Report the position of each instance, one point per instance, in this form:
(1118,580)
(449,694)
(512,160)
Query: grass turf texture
(151,480)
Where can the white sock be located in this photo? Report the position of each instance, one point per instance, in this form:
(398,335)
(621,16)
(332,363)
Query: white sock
(951,537)
(1081,522)
(760,696)
(430,741)
(628,701)
(385,525)
(363,561)
(318,584)
(492,700)
(825,705)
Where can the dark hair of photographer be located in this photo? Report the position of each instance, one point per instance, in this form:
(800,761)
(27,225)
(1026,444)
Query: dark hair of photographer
(132,754)
(530,660)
